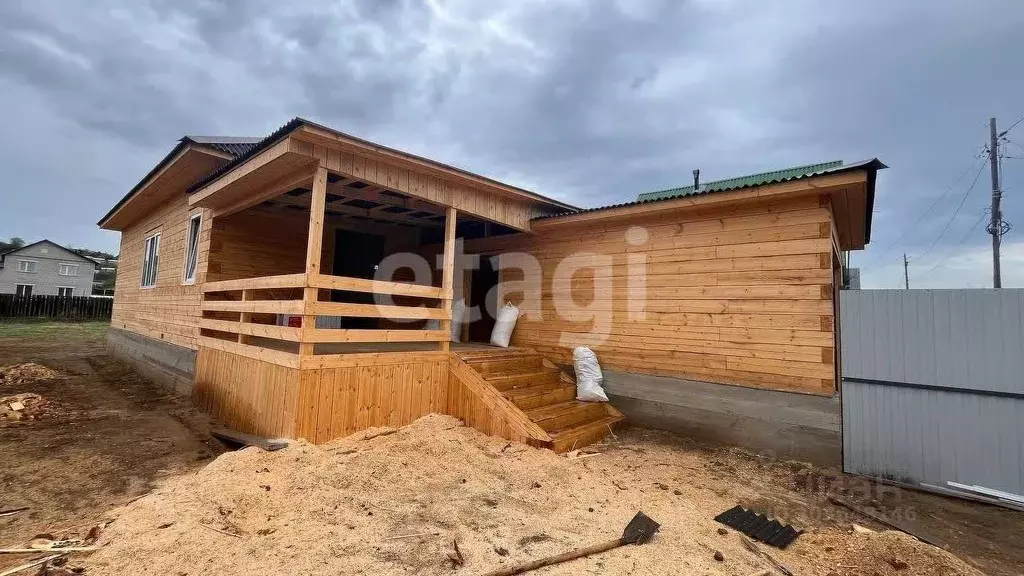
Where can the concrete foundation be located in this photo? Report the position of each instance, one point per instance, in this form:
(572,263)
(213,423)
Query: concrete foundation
(781,424)
(167,365)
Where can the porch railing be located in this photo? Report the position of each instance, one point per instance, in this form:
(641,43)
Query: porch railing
(238,312)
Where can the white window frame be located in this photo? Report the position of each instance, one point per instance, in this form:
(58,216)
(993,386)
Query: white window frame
(72,288)
(72,269)
(35,266)
(192,248)
(147,272)
(32,286)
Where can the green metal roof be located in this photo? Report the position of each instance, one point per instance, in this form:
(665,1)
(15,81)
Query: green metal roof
(743,181)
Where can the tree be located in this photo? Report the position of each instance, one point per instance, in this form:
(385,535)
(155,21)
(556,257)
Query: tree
(16,242)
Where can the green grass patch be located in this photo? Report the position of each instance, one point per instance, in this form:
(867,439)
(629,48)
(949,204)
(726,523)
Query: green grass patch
(51,330)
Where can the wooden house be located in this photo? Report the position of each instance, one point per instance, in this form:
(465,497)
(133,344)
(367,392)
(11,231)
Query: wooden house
(249,277)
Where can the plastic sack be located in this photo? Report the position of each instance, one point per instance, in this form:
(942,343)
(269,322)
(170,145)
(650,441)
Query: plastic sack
(458,317)
(588,376)
(503,325)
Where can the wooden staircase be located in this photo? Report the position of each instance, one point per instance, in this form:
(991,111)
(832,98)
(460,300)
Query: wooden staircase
(545,394)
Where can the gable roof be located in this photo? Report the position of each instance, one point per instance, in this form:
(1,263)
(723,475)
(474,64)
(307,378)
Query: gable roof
(231,146)
(761,179)
(45,241)
(297,122)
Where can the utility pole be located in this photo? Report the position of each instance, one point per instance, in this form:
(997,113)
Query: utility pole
(995,227)
(906,275)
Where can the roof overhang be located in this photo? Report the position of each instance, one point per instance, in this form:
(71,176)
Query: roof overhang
(849,189)
(304,130)
(186,163)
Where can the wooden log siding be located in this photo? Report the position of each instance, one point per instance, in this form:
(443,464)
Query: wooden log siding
(170,310)
(736,295)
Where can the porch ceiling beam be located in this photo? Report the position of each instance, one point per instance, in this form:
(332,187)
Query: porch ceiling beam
(287,182)
(375,194)
(338,207)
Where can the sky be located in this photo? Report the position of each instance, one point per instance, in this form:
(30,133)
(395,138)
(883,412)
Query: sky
(588,101)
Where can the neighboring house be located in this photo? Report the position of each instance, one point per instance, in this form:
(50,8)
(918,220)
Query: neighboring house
(45,268)
(247,277)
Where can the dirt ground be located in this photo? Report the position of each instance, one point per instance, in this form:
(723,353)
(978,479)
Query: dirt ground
(103,437)
(394,504)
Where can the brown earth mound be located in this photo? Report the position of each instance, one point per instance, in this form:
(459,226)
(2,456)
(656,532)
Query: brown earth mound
(17,374)
(394,504)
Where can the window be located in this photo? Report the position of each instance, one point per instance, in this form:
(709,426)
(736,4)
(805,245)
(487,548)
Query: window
(65,291)
(150,261)
(23,289)
(67,269)
(27,265)
(192,248)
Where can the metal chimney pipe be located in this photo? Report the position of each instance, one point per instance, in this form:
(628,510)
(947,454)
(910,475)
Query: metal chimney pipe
(696,180)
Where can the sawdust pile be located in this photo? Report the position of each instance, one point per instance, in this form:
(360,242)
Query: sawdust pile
(394,504)
(17,374)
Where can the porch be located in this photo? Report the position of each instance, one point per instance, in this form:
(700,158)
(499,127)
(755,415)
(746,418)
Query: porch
(327,295)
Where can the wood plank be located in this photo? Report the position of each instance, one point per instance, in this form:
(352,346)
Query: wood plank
(370,335)
(248,351)
(254,306)
(448,273)
(248,329)
(315,239)
(262,283)
(365,359)
(375,286)
(378,311)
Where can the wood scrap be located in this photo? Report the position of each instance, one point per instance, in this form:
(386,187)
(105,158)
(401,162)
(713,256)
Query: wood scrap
(243,439)
(208,527)
(38,550)
(32,564)
(882,520)
(12,511)
(763,554)
(403,536)
(371,436)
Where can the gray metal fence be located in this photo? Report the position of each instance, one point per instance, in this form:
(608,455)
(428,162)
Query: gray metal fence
(933,386)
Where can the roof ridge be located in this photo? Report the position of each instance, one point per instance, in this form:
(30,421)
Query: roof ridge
(767,176)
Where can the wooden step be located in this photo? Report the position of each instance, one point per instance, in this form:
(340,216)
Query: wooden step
(566,414)
(543,395)
(511,381)
(566,439)
(508,365)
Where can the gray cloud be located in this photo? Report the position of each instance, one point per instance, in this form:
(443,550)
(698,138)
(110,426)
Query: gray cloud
(591,102)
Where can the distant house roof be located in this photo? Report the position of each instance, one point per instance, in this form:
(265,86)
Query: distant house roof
(50,242)
(761,179)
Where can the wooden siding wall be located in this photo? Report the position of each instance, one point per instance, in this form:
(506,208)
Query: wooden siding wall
(168,311)
(246,394)
(320,404)
(258,242)
(738,295)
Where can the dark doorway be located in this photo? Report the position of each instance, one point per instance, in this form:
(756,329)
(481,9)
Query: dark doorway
(481,281)
(356,255)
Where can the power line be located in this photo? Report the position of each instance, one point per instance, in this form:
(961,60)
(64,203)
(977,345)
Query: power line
(960,243)
(955,212)
(925,213)
(1003,133)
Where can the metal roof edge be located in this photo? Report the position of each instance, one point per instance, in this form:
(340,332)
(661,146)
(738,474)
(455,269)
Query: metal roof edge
(47,241)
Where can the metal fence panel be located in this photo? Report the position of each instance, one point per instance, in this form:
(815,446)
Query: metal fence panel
(933,386)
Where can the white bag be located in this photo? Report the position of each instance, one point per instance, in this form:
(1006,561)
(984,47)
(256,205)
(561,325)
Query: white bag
(458,315)
(503,325)
(588,376)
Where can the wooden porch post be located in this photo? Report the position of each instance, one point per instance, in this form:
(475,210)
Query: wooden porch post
(448,273)
(314,248)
